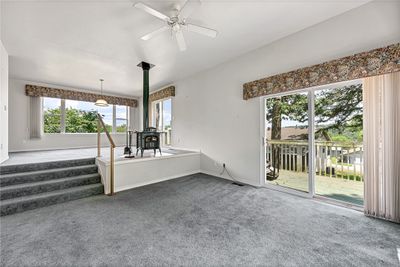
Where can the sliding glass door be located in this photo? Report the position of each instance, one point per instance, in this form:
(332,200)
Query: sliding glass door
(313,142)
(287,141)
(338,143)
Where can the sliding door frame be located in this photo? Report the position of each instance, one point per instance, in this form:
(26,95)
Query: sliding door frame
(263,114)
(311,139)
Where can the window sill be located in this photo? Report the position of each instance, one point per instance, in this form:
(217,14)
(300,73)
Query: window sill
(50,134)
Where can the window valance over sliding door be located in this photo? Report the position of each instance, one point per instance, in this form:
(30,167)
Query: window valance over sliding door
(375,62)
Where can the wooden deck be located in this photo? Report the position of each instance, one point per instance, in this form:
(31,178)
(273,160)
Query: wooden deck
(336,188)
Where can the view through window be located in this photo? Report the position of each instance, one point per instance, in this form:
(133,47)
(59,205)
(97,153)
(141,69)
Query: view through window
(51,115)
(162,118)
(81,116)
(338,145)
(121,118)
(287,139)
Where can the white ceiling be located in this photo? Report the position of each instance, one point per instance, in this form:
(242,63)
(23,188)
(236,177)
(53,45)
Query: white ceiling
(75,43)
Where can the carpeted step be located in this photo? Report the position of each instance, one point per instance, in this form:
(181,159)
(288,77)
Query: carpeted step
(14,205)
(45,175)
(25,189)
(8,169)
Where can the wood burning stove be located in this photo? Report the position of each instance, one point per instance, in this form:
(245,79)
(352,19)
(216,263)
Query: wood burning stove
(149,138)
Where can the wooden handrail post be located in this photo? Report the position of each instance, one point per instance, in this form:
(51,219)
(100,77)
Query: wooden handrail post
(111,170)
(100,124)
(98,139)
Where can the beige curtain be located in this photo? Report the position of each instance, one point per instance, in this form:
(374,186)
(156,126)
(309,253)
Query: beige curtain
(35,117)
(382,146)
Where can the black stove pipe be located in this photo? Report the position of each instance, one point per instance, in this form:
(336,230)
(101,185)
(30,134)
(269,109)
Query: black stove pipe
(146,88)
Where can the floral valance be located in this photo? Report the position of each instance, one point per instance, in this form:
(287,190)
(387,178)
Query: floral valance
(375,62)
(163,93)
(35,90)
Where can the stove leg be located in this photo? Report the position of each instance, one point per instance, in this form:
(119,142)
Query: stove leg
(137,151)
(154,152)
(160,150)
(141,153)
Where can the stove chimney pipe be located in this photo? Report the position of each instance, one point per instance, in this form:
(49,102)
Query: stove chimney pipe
(146,87)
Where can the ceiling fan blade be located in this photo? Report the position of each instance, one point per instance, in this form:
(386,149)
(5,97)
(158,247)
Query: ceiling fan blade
(188,7)
(180,40)
(202,30)
(154,33)
(151,11)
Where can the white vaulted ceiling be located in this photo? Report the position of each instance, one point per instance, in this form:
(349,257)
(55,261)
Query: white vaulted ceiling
(74,43)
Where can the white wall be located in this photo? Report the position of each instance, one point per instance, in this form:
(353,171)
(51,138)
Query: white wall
(210,113)
(143,171)
(19,122)
(3,103)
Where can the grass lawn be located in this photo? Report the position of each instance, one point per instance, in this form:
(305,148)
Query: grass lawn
(336,188)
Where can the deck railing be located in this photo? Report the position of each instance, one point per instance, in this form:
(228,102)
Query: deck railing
(101,125)
(333,159)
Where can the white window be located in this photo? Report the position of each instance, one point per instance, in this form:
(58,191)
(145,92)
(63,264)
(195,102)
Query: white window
(162,118)
(73,116)
(51,115)
(121,118)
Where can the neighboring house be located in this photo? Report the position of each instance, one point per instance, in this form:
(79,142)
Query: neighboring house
(294,133)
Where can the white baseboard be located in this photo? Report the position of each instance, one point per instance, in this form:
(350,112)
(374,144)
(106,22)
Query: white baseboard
(120,189)
(229,179)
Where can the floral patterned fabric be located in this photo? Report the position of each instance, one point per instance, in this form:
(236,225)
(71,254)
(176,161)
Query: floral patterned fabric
(35,90)
(163,93)
(375,62)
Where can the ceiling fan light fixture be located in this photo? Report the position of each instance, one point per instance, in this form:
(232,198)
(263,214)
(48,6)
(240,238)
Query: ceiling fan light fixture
(176,27)
(101,102)
(177,22)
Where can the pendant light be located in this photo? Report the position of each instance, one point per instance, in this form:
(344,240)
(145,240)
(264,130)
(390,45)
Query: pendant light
(101,102)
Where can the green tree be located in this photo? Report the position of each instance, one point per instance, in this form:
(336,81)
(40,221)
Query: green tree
(337,111)
(340,110)
(121,128)
(76,121)
(80,121)
(52,120)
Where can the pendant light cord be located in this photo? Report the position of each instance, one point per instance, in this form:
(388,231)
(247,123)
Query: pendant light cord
(101,86)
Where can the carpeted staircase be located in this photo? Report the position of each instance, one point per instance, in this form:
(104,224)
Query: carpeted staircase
(29,186)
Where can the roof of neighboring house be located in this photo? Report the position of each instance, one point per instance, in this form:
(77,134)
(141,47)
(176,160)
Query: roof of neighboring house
(293,133)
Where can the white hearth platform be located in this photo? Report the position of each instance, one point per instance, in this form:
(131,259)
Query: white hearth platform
(134,172)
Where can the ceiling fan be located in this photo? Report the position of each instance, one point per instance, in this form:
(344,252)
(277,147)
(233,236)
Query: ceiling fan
(176,22)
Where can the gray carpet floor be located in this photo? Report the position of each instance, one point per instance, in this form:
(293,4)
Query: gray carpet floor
(197,220)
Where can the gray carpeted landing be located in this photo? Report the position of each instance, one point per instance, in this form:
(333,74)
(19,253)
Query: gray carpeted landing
(197,220)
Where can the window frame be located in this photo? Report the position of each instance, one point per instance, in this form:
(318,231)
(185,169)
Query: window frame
(152,116)
(63,116)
